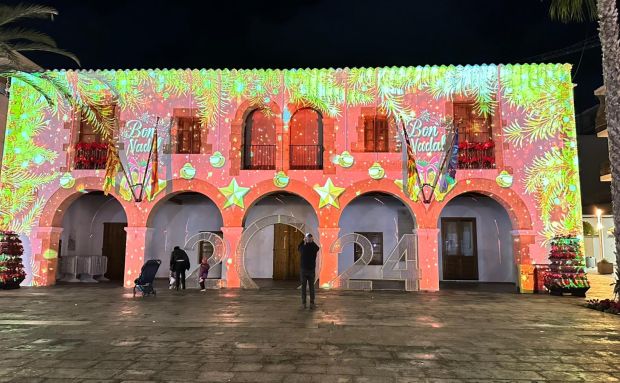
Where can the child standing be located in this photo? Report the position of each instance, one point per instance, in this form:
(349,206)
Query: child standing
(204,271)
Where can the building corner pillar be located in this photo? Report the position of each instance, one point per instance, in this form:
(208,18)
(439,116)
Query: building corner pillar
(428,258)
(329,260)
(232,235)
(134,253)
(45,252)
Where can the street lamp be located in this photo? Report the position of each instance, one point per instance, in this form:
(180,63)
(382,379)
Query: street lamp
(599,227)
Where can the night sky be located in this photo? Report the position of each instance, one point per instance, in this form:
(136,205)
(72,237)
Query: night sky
(316,33)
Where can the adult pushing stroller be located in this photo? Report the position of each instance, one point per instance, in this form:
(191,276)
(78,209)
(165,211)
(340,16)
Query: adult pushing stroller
(144,283)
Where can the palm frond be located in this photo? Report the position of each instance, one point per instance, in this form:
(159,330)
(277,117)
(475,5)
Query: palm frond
(572,10)
(19,33)
(10,14)
(40,47)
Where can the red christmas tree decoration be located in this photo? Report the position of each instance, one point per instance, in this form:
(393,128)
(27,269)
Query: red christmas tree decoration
(11,267)
(567,268)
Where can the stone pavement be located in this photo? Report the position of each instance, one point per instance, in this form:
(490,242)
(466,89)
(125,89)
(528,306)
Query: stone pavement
(100,333)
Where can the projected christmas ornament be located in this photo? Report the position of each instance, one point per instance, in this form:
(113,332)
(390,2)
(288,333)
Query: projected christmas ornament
(66,181)
(345,159)
(217,160)
(188,172)
(376,172)
(329,194)
(234,194)
(280,179)
(504,179)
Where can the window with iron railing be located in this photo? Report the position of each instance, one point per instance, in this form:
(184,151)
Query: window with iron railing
(188,135)
(476,145)
(259,140)
(306,140)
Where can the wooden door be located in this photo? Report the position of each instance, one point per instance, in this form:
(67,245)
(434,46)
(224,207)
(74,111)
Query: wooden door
(114,240)
(285,255)
(459,249)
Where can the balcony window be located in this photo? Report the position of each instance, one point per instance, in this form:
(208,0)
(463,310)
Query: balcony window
(476,145)
(259,141)
(90,150)
(376,133)
(306,140)
(188,135)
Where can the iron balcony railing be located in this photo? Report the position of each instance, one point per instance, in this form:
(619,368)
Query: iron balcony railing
(90,155)
(259,157)
(306,157)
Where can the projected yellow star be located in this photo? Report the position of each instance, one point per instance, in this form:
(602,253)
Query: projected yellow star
(234,194)
(329,194)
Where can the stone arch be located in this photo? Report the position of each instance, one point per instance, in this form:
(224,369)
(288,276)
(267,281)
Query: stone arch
(266,187)
(180,186)
(520,216)
(387,186)
(61,199)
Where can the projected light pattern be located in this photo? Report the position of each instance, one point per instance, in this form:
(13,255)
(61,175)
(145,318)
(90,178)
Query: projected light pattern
(531,167)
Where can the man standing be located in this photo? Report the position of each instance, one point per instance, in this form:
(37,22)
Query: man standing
(308,250)
(179,262)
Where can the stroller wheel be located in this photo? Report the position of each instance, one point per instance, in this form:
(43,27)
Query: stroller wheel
(154,292)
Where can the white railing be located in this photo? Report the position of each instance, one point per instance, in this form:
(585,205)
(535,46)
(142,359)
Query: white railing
(86,267)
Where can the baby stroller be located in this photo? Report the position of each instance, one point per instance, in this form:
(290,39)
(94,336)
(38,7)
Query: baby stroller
(144,282)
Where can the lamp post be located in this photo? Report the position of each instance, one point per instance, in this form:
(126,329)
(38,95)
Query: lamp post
(599,227)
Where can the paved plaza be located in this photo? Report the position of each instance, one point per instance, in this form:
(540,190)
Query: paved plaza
(99,333)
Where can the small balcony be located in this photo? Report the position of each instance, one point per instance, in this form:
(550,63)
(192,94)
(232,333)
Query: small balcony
(605,172)
(306,157)
(90,155)
(476,155)
(259,157)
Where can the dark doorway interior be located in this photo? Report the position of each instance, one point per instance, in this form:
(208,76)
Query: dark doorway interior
(114,241)
(285,254)
(459,249)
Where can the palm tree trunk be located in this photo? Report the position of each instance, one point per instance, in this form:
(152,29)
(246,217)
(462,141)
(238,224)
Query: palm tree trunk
(608,34)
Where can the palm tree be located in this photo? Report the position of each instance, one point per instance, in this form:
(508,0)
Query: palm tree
(14,39)
(607,12)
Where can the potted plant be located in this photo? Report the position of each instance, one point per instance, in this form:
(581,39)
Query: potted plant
(605,267)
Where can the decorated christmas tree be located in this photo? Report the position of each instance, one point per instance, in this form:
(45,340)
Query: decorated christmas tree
(567,268)
(11,267)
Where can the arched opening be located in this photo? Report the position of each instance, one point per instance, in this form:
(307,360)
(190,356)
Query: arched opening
(92,244)
(306,139)
(259,140)
(475,242)
(271,254)
(175,221)
(383,219)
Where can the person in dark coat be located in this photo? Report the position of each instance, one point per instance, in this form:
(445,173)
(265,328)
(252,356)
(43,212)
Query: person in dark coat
(308,251)
(179,263)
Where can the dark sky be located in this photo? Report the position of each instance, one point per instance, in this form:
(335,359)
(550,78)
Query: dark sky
(316,33)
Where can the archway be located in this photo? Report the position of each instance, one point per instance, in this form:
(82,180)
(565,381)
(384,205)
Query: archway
(475,241)
(384,220)
(93,239)
(174,221)
(273,227)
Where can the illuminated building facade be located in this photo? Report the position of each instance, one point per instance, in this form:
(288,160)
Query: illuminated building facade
(318,148)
